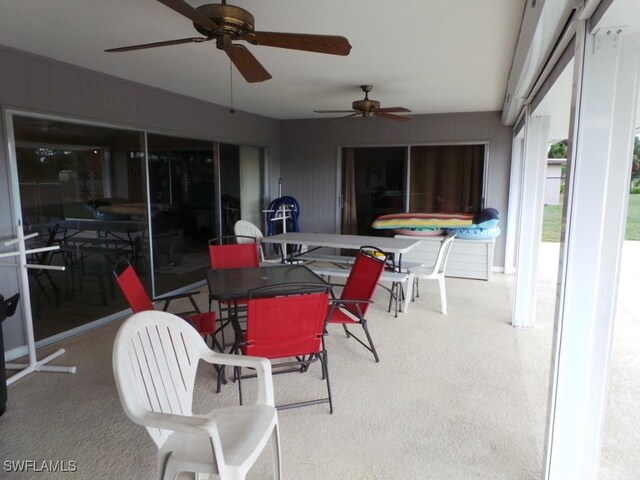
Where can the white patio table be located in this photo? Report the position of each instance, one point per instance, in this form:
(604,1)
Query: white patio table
(394,247)
(389,245)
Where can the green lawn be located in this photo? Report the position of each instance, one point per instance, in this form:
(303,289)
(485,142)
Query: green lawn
(553,215)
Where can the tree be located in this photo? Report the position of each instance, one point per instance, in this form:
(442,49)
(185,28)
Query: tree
(559,149)
(635,168)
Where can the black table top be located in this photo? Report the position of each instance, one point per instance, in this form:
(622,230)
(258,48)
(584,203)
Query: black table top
(235,283)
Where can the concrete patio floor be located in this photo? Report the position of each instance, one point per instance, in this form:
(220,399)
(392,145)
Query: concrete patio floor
(454,396)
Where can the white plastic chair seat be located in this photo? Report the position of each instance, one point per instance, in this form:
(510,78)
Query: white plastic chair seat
(424,272)
(243,431)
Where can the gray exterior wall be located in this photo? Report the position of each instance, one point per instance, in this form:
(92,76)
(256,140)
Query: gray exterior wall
(35,84)
(310,151)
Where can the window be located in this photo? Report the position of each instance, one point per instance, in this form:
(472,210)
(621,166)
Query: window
(425,179)
(446,179)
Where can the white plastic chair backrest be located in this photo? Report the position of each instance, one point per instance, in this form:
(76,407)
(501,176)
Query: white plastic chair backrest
(443,254)
(155,357)
(243,227)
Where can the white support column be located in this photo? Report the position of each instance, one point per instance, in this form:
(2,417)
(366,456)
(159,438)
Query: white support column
(536,138)
(513,215)
(601,138)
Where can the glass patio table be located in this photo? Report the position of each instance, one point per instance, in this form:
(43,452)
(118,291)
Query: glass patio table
(233,284)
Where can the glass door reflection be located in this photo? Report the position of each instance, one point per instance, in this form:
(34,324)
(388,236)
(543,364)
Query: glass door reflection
(183,209)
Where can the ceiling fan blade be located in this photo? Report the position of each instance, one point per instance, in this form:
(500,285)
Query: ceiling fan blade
(335,111)
(394,110)
(391,116)
(331,44)
(346,116)
(159,44)
(248,65)
(191,13)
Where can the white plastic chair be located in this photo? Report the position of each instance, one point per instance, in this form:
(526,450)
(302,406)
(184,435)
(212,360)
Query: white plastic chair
(243,227)
(436,272)
(155,357)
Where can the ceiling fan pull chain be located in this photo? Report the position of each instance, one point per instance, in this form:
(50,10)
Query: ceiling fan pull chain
(231,110)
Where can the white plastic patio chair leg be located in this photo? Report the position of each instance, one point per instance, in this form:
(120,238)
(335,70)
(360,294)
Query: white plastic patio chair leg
(408,294)
(172,469)
(233,474)
(275,451)
(443,295)
(185,469)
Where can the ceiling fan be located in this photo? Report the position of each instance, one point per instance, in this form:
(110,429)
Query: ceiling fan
(228,23)
(370,108)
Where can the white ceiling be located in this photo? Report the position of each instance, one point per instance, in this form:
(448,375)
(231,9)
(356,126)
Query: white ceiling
(431,56)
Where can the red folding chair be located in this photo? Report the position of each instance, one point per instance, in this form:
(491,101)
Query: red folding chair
(288,329)
(133,290)
(229,252)
(232,251)
(358,293)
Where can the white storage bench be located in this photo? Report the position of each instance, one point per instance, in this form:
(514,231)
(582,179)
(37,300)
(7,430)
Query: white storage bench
(467,258)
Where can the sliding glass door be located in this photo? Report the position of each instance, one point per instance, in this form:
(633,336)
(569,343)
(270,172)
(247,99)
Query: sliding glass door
(447,179)
(95,193)
(241,185)
(374,183)
(420,179)
(183,204)
(81,188)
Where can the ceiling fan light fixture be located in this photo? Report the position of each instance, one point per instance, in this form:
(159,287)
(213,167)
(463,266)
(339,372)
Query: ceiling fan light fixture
(232,20)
